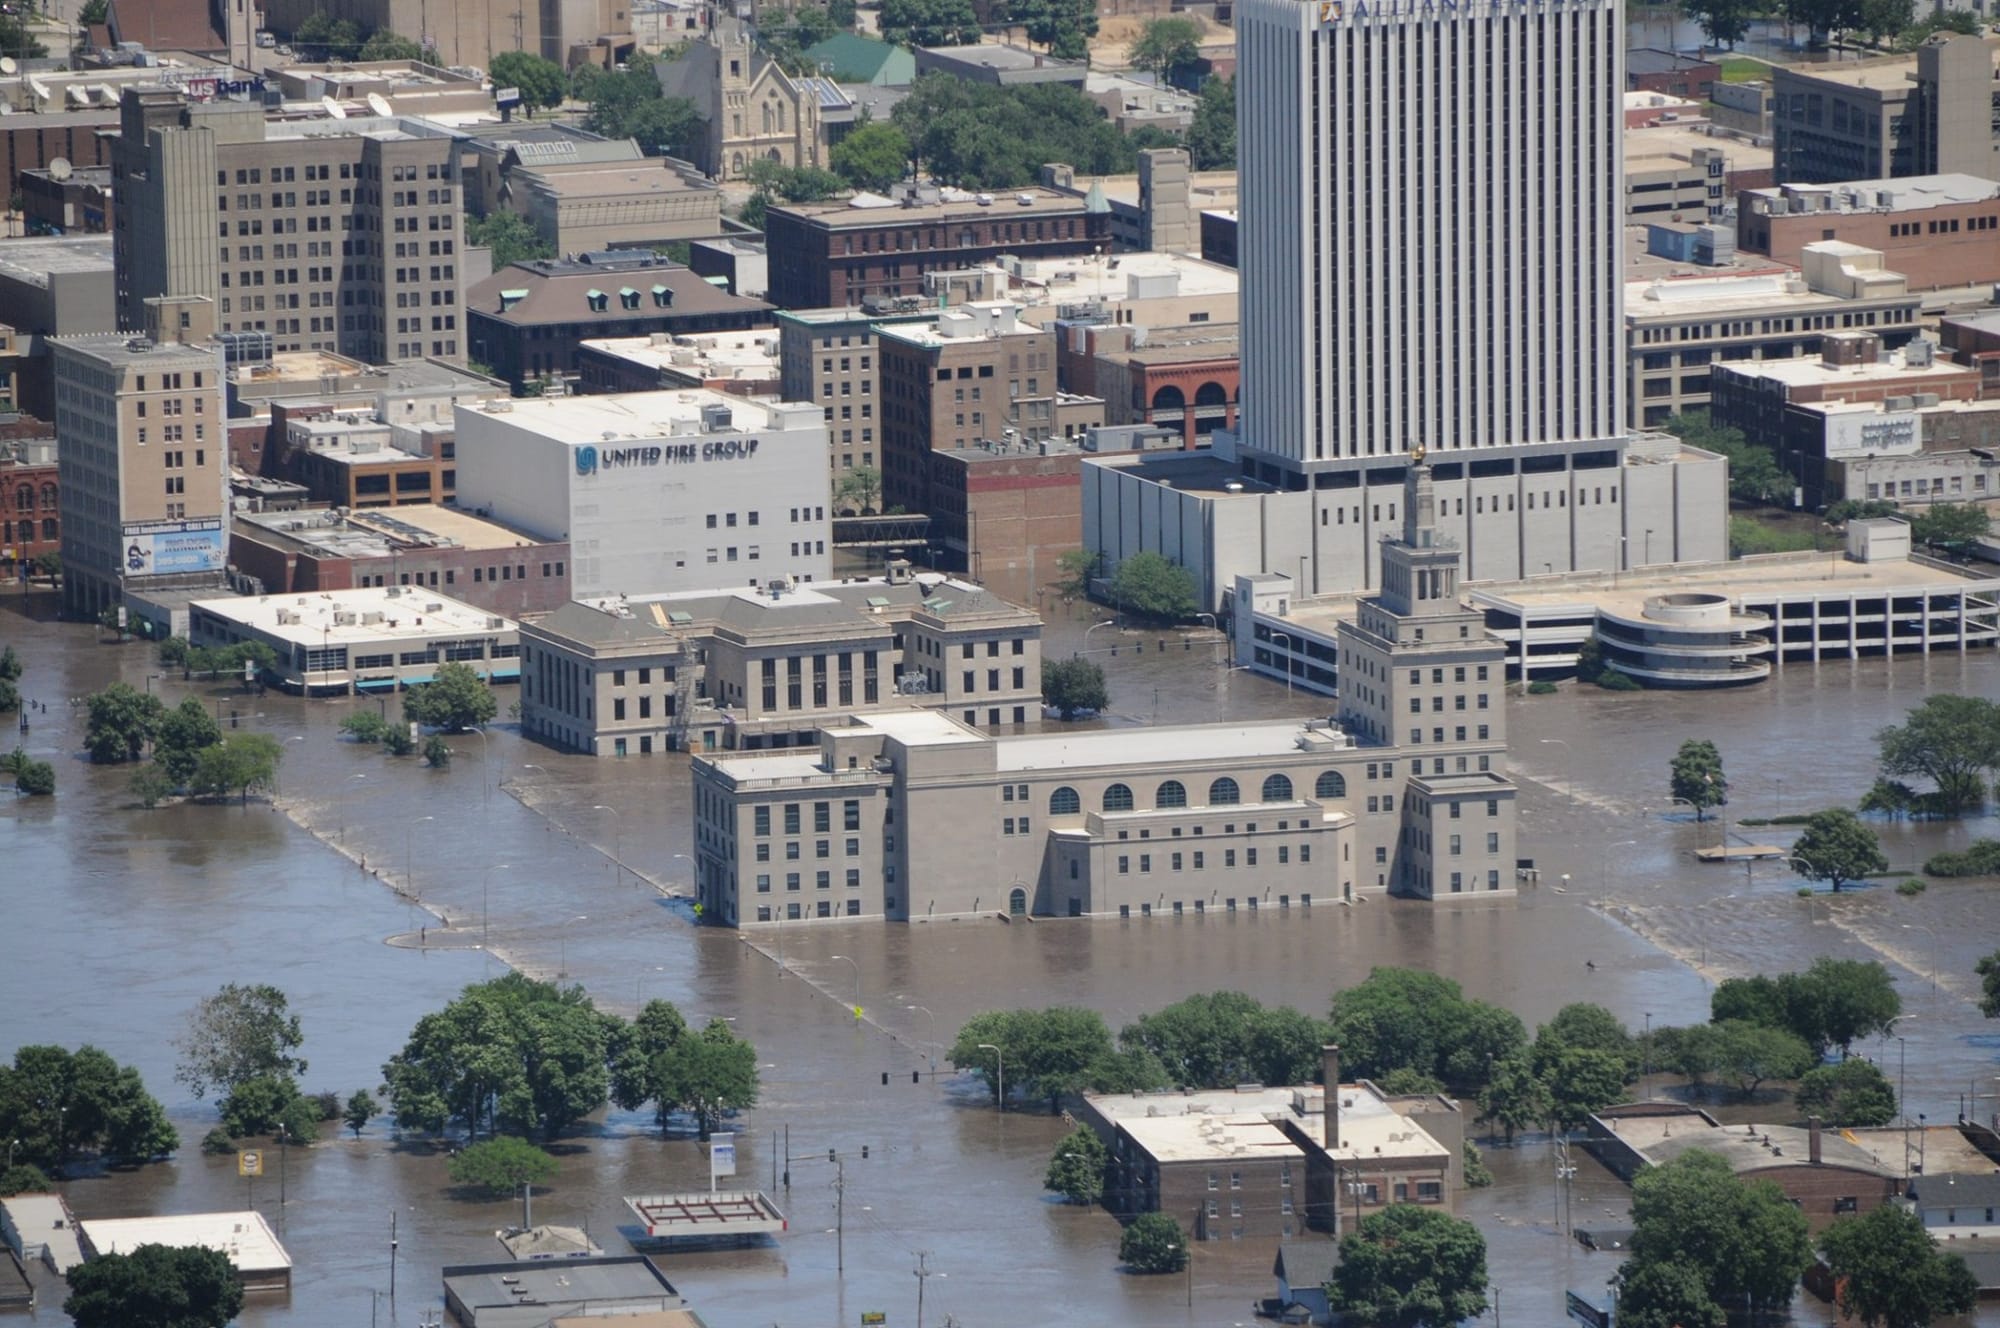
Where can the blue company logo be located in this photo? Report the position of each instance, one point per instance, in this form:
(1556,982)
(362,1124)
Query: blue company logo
(586,460)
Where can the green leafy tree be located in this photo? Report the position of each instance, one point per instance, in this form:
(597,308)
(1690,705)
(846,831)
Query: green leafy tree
(1410,1266)
(55,1104)
(929,22)
(239,764)
(1582,1082)
(1838,1002)
(365,726)
(1169,47)
(1954,741)
(1076,1168)
(513,1055)
(860,489)
(1746,1240)
(155,1286)
(1074,687)
(25,1178)
(18,41)
(1754,473)
(93,12)
(1225,1038)
(1759,999)
(258,1106)
(505,1165)
(1849,1092)
(511,237)
(48,565)
(628,103)
(1988,970)
(122,721)
(1045,1053)
(979,136)
(455,702)
(1949,525)
(711,1074)
(184,731)
(1750,1053)
(360,1109)
(382,44)
(240,1033)
(397,740)
(37,779)
(319,37)
(1152,587)
(1153,1243)
(1064,26)
(874,156)
(1584,1026)
(1405,1018)
(639,1060)
(1477,1176)
(1516,1098)
(1074,569)
(11,667)
(1891,1273)
(437,752)
(541,82)
(10,696)
(1723,22)
(1697,776)
(1666,1295)
(1837,848)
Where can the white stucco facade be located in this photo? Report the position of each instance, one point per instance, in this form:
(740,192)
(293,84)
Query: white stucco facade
(657,492)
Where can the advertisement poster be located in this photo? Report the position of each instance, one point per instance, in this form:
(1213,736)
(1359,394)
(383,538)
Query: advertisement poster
(173,548)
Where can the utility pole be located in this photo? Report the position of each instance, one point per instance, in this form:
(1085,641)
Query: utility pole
(922,1274)
(392,1261)
(840,1215)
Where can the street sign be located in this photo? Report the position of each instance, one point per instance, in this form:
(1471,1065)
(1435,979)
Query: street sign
(249,1162)
(721,1156)
(873,1318)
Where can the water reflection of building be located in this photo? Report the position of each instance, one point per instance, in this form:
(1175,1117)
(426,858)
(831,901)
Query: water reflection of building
(1256,1162)
(1404,792)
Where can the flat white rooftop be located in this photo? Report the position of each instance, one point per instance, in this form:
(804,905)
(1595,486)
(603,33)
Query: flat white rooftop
(1110,277)
(919,728)
(1818,373)
(1150,746)
(1771,288)
(637,416)
(342,617)
(245,1238)
(750,356)
(1908,193)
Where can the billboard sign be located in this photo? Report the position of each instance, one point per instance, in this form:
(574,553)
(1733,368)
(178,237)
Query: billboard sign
(1876,433)
(174,548)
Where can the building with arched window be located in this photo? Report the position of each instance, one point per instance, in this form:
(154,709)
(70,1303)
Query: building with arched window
(751,109)
(1404,792)
(30,522)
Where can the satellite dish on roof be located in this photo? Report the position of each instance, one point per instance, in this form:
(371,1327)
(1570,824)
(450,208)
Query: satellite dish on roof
(333,108)
(39,88)
(107,94)
(380,104)
(59,169)
(8,64)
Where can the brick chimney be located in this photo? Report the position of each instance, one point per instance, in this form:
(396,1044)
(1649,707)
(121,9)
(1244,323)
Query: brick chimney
(1329,1060)
(1812,1140)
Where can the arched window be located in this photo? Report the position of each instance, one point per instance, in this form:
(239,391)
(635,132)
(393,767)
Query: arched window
(48,497)
(24,499)
(1278,788)
(1017,902)
(1169,398)
(1224,793)
(1173,793)
(767,117)
(1330,785)
(1064,802)
(1118,798)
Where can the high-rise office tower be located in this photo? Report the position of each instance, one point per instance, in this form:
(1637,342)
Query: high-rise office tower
(1430,225)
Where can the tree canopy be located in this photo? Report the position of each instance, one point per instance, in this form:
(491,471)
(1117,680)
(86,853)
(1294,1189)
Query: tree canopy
(1743,1243)
(155,1286)
(1988,970)
(929,22)
(628,103)
(240,1033)
(455,701)
(1045,1053)
(1411,1266)
(1153,1243)
(1953,741)
(1211,138)
(979,136)
(501,1166)
(1832,1004)
(239,764)
(1152,587)
(513,1055)
(874,156)
(1891,1273)
(540,81)
(1074,687)
(122,721)
(1754,473)
(1837,847)
(1076,1167)
(1225,1038)
(1849,1092)
(57,1103)
(183,732)
(1697,776)
(1170,47)
(1949,525)
(511,237)
(1404,1018)
(1065,27)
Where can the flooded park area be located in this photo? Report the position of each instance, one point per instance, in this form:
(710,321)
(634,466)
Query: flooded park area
(372,889)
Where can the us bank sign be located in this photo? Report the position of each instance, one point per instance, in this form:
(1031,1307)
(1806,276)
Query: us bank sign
(591,458)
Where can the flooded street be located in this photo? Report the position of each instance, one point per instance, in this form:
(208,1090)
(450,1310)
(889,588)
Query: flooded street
(119,919)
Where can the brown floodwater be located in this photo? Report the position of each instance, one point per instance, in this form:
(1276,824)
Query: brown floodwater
(366,892)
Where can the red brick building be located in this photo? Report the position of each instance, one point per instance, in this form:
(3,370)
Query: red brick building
(30,524)
(1003,516)
(828,254)
(1188,379)
(1939,231)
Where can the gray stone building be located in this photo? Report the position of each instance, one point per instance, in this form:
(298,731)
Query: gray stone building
(1895,116)
(1404,792)
(755,668)
(752,109)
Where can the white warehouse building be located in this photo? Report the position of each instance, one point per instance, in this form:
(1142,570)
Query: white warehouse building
(657,492)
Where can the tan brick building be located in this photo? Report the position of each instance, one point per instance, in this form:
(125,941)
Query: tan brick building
(1939,231)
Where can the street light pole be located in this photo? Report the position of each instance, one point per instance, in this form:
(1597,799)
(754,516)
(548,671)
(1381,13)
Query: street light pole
(1108,622)
(933,1042)
(617,839)
(1290,641)
(1000,1081)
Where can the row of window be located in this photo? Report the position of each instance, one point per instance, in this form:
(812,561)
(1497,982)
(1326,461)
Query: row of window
(1201,859)
(1222,792)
